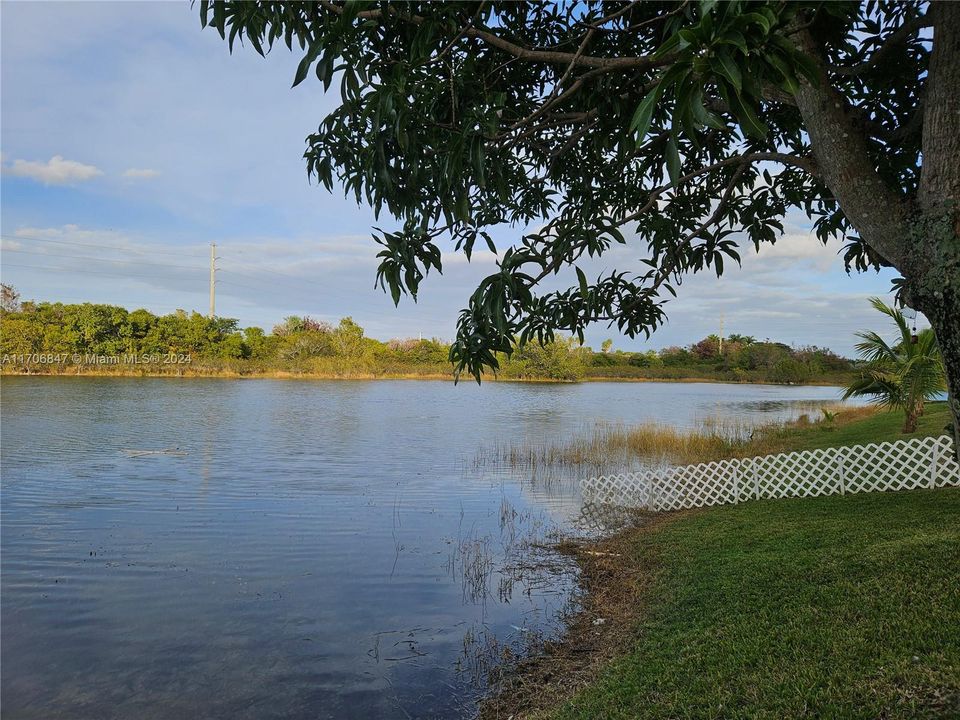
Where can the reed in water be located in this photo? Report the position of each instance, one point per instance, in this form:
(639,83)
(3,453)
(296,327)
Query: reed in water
(618,446)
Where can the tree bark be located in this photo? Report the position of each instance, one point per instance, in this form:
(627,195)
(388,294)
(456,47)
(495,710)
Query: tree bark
(933,269)
(921,240)
(879,212)
(910,424)
(942,309)
(940,174)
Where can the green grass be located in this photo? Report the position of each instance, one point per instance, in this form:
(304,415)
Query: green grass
(880,427)
(836,607)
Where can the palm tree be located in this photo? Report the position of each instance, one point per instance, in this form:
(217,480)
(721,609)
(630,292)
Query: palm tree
(903,375)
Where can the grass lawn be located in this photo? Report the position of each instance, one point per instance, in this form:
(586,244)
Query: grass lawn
(879,427)
(835,607)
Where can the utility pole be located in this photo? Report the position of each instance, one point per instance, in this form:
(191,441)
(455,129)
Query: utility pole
(721,333)
(213,277)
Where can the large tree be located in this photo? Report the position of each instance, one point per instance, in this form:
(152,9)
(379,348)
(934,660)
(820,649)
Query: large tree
(687,130)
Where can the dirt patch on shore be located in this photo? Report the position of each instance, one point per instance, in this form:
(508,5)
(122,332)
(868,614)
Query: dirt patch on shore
(615,582)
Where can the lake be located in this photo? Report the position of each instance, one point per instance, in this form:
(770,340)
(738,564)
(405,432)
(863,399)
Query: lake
(316,549)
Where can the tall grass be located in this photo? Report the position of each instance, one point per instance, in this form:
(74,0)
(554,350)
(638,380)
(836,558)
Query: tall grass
(616,447)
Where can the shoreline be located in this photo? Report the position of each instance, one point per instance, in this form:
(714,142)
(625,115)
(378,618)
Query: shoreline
(614,598)
(366,377)
(627,581)
(630,650)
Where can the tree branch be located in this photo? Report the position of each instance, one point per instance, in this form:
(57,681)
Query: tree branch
(806,164)
(742,160)
(876,211)
(897,37)
(552,57)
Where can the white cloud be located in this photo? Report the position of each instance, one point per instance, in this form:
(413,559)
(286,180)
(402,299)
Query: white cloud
(56,171)
(140,173)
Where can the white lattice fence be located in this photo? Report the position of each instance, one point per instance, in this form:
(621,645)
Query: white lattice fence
(901,465)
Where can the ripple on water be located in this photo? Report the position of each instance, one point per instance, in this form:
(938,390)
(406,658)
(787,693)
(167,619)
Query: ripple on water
(319,550)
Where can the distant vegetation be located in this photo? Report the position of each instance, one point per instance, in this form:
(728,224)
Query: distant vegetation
(738,358)
(301,345)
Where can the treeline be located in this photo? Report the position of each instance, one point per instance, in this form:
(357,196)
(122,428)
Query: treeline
(737,358)
(82,333)
(56,337)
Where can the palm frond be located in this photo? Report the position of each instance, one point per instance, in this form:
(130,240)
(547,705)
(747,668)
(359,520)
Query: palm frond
(900,375)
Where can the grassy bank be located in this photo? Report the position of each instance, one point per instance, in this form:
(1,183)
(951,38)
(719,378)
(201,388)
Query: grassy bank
(610,448)
(834,607)
(838,607)
(329,371)
(706,373)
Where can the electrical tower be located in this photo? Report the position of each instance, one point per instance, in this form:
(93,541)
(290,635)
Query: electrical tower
(213,278)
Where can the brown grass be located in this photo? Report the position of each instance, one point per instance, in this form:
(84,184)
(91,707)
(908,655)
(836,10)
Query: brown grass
(614,447)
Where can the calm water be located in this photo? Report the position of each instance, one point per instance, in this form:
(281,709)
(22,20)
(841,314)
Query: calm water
(321,550)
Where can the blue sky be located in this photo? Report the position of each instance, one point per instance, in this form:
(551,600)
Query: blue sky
(131,140)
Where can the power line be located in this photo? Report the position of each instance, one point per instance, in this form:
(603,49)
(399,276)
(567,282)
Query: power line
(213,277)
(57,297)
(100,246)
(74,271)
(96,259)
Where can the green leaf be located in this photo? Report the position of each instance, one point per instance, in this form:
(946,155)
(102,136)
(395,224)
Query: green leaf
(725,65)
(304,67)
(789,82)
(751,124)
(753,18)
(584,288)
(644,114)
(705,117)
(687,38)
(673,160)
(807,67)
(735,38)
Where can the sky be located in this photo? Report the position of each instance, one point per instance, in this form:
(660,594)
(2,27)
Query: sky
(132,140)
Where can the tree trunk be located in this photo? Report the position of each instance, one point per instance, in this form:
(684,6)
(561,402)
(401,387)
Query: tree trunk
(933,272)
(910,423)
(942,309)
(920,239)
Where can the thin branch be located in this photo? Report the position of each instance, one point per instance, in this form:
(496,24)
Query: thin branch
(644,23)
(665,272)
(613,16)
(742,160)
(898,37)
(553,57)
(721,205)
(806,164)
(525,53)
(458,37)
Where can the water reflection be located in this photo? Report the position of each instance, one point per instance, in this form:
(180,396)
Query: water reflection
(321,550)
